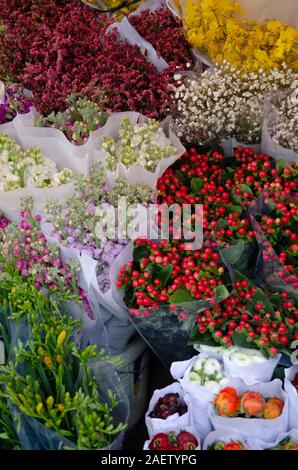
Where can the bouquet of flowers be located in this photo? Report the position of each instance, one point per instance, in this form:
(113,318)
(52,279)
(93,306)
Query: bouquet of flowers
(261,410)
(142,145)
(250,316)
(225,102)
(81,117)
(59,398)
(74,224)
(14,102)
(24,252)
(27,168)
(216,28)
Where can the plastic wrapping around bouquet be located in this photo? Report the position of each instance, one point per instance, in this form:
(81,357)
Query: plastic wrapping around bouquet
(179,423)
(231,144)
(259,444)
(256,427)
(269,147)
(241,256)
(33,435)
(266,272)
(54,149)
(225,435)
(189,429)
(290,374)
(135,173)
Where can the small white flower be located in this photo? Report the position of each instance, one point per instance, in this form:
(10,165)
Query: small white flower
(212,366)
(199,364)
(193,377)
(241,359)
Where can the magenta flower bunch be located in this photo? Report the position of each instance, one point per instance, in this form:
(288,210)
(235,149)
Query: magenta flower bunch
(20,22)
(166,35)
(13,102)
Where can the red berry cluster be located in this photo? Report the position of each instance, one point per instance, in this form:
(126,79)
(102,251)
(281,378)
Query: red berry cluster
(200,179)
(169,274)
(249,314)
(170,441)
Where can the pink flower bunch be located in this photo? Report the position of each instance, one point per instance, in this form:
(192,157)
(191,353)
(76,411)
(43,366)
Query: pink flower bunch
(166,35)
(24,248)
(4,222)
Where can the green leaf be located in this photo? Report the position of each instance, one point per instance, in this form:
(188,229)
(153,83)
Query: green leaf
(140,252)
(239,339)
(221,292)
(261,298)
(245,188)
(197,184)
(180,296)
(164,274)
(281,165)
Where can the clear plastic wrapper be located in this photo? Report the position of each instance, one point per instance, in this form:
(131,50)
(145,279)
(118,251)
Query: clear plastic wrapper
(166,330)
(268,266)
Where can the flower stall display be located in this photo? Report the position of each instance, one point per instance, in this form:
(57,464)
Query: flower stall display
(137,149)
(218,29)
(261,410)
(13,102)
(225,102)
(175,440)
(168,409)
(83,233)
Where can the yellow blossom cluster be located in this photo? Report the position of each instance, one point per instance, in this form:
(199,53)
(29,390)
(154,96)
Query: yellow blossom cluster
(217,28)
